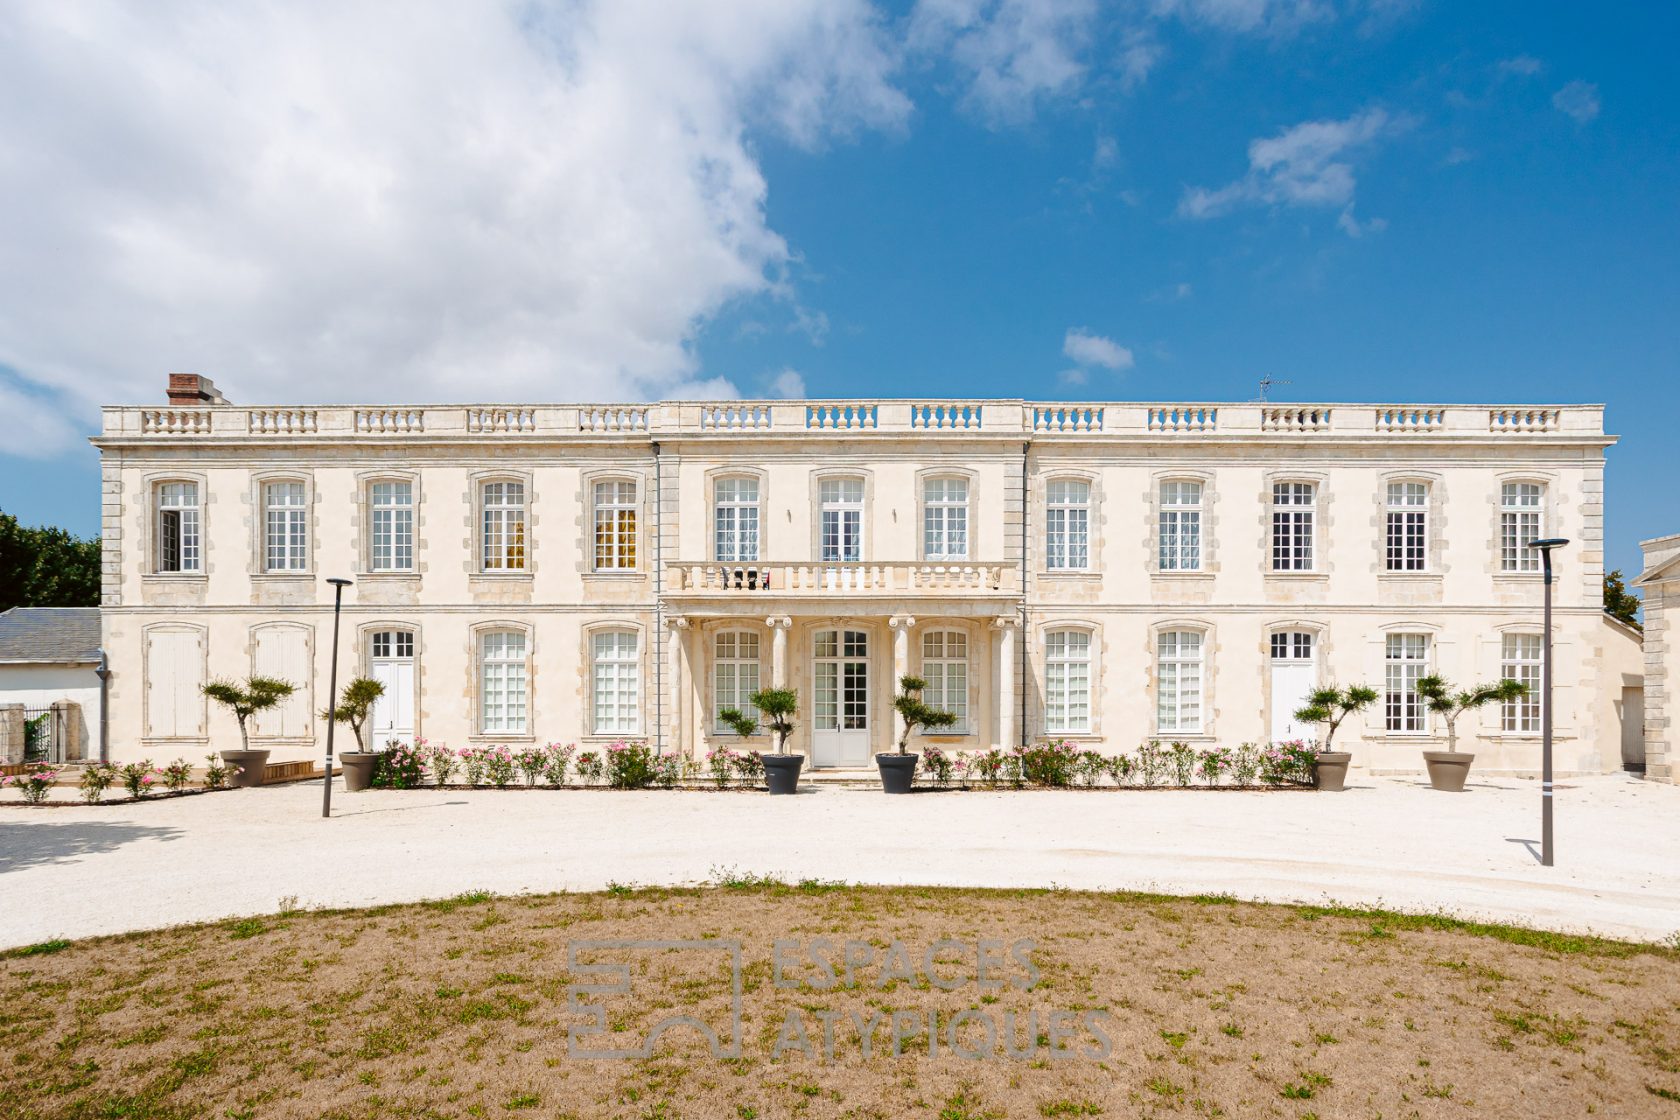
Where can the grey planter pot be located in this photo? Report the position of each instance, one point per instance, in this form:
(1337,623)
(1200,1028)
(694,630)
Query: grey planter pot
(247,768)
(358,769)
(781,772)
(1448,769)
(1330,772)
(898,771)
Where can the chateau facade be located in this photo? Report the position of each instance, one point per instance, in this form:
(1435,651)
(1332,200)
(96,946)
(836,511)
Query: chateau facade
(1105,573)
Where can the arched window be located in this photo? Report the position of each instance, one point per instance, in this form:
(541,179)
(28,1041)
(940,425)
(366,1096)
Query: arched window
(1178,682)
(1407,528)
(615,525)
(178,542)
(503,523)
(285,526)
(734,674)
(617,672)
(1067,524)
(945,668)
(1520,507)
(1519,660)
(735,519)
(1181,526)
(1294,505)
(391,516)
(1067,681)
(945,519)
(1405,659)
(504,675)
(840,503)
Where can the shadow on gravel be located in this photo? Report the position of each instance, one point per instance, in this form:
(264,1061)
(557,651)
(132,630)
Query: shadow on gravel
(27,845)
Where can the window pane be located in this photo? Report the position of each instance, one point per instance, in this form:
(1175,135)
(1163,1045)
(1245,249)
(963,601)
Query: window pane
(1520,660)
(1406,659)
(617,687)
(1292,526)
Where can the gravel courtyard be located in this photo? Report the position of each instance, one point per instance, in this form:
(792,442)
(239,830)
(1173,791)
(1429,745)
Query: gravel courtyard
(76,871)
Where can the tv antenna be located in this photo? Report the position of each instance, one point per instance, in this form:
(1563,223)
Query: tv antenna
(1266,383)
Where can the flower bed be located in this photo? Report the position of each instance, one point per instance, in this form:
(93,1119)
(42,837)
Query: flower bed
(143,781)
(1060,764)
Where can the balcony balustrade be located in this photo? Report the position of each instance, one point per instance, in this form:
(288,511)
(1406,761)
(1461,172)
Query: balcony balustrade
(851,577)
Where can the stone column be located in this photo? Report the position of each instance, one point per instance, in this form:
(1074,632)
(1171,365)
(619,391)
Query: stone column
(67,716)
(1005,628)
(901,624)
(11,734)
(779,627)
(674,678)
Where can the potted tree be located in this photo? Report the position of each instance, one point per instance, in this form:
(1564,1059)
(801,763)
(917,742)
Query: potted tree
(257,694)
(1330,706)
(1448,769)
(898,770)
(355,705)
(778,706)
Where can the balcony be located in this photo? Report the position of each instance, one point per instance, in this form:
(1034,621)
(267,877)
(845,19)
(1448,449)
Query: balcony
(758,582)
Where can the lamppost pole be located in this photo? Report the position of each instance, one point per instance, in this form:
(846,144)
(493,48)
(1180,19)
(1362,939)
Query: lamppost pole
(1545,548)
(332,696)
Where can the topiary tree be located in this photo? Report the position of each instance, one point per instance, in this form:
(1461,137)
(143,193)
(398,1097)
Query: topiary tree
(777,705)
(355,705)
(916,713)
(257,694)
(1330,706)
(1438,694)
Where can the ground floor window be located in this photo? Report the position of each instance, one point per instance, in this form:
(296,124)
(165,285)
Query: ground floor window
(945,668)
(1406,658)
(1067,681)
(502,691)
(1178,688)
(1519,660)
(618,682)
(735,674)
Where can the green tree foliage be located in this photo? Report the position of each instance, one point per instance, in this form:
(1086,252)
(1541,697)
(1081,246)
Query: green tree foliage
(1618,602)
(46,567)
(1330,706)
(355,705)
(917,713)
(1438,693)
(257,694)
(777,705)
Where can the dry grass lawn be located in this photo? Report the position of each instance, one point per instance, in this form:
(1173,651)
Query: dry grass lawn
(1213,1008)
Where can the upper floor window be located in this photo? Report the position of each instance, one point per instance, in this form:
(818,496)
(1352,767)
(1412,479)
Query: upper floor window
(615,525)
(736,520)
(503,671)
(1181,526)
(1520,504)
(1067,524)
(285,527)
(1519,660)
(945,519)
(1407,544)
(504,526)
(177,527)
(617,682)
(1406,658)
(735,674)
(392,505)
(1067,681)
(1293,507)
(1178,675)
(840,502)
(945,668)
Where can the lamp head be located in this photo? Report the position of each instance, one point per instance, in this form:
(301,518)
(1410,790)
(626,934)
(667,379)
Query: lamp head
(339,582)
(1549,543)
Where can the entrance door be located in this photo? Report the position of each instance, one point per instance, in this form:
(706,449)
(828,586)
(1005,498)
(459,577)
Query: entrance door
(391,663)
(840,717)
(1294,676)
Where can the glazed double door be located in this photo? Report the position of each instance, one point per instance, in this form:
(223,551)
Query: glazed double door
(840,698)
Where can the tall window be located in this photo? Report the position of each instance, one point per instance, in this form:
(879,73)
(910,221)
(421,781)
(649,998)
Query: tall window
(945,668)
(735,673)
(1067,524)
(393,526)
(285,527)
(1293,506)
(502,690)
(841,502)
(1407,545)
(1520,504)
(177,527)
(1181,526)
(1519,660)
(1406,658)
(1067,681)
(1178,692)
(615,526)
(945,519)
(737,519)
(504,526)
(618,682)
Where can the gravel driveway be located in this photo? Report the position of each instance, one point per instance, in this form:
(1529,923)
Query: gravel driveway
(78,871)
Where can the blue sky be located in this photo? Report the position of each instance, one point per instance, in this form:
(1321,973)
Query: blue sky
(1375,201)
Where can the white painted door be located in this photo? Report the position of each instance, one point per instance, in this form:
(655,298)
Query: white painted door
(840,714)
(392,664)
(1294,676)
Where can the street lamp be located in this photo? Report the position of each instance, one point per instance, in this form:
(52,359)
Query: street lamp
(1545,547)
(332,696)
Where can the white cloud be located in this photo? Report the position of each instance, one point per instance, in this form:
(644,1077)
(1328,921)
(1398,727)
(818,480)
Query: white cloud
(1306,165)
(788,384)
(1277,16)
(1353,227)
(471,201)
(1522,65)
(1012,53)
(1094,350)
(1579,100)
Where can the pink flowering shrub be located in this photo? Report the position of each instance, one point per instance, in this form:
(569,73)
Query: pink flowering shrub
(439,760)
(938,766)
(720,764)
(398,766)
(35,782)
(177,774)
(139,778)
(557,760)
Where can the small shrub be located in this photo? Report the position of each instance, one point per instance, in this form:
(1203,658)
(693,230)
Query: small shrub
(749,768)
(139,778)
(472,761)
(177,774)
(440,761)
(632,766)
(556,761)
(720,765)
(988,767)
(215,772)
(1213,763)
(398,766)
(1120,768)
(499,766)
(1051,764)
(1151,764)
(589,768)
(530,761)
(1183,757)
(35,782)
(1282,763)
(938,766)
(96,779)
(1245,764)
(1091,766)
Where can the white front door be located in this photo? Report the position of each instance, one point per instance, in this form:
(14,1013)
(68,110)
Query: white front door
(391,663)
(840,715)
(1294,676)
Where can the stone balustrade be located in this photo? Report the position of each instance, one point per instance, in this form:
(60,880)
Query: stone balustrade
(1011,419)
(856,577)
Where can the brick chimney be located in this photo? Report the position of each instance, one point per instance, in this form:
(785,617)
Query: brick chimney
(192,389)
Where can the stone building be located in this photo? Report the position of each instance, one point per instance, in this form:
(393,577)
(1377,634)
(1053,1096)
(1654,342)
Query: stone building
(1104,573)
(1660,584)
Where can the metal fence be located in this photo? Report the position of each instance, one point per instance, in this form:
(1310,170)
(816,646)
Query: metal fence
(44,735)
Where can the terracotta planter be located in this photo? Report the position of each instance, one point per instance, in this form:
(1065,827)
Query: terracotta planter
(358,769)
(1448,769)
(781,772)
(1330,771)
(246,769)
(898,771)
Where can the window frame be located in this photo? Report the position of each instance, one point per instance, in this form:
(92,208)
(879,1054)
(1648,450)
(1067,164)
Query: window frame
(821,506)
(1409,706)
(1407,539)
(622,545)
(592,639)
(503,512)
(370,492)
(160,535)
(1179,510)
(944,661)
(1295,512)
(714,482)
(945,508)
(1162,659)
(735,662)
(1525,712)
(1050,659)
(482,662)
(1520,562)
(1059,555)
